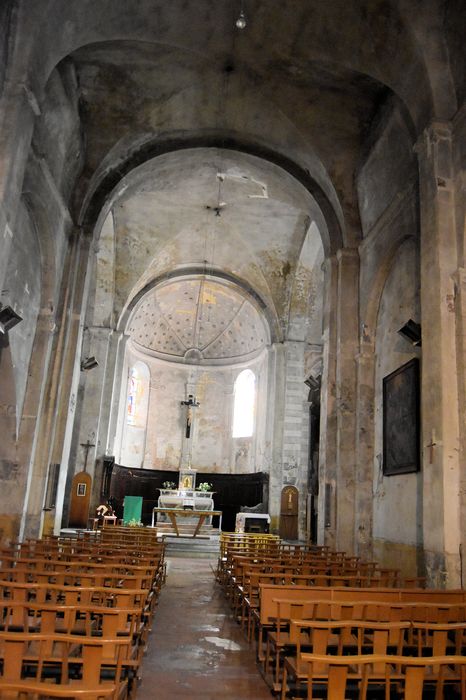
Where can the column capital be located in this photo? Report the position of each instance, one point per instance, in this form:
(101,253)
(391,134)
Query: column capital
(459,117)
(459,278)
(433,133)
(347,254)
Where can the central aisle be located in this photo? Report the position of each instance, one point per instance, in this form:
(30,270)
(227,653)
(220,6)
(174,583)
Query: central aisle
(196,650)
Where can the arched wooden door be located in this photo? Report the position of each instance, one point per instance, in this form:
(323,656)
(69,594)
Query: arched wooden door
(79,501)
(289,513)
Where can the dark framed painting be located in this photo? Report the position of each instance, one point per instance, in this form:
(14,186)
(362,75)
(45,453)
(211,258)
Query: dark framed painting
(401,425)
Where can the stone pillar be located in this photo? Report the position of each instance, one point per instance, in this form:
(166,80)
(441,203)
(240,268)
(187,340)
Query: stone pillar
(460,309)
(459,155)
(296,427)
(69,371)
(326,516)
(119,385)
(346,395)
(227,462)
(439,408)
(276,400)
(36,398)
(364,451)
(96,389)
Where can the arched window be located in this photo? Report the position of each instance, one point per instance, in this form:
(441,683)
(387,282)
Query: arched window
(136,407)
(134,392)
(245,400)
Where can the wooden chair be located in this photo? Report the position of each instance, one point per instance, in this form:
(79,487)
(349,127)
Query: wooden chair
(51,665)
(409,673)
(338,637)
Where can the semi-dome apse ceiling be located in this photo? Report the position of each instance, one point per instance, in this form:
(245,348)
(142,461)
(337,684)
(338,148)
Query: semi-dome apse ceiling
(199,320)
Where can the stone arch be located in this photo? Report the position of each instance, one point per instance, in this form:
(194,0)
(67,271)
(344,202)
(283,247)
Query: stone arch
(375,295)
(106,190)
(103,23)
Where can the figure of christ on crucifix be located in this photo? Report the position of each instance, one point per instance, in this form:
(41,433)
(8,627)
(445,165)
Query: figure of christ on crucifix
(190,404)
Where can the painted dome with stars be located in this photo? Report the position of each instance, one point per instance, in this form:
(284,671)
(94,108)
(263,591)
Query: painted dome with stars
(199,320)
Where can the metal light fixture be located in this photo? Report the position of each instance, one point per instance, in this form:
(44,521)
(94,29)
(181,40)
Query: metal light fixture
(412,332)
(241,21)
(8,319)
(89,363)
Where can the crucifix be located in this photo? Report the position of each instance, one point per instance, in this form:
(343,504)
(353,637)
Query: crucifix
(431,445)
(190,404)
(87,446)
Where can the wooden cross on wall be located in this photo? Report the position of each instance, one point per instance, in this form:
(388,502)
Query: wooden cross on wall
(431,446)
(87,446)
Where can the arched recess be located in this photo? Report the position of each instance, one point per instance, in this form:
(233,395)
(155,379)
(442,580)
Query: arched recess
(134,413)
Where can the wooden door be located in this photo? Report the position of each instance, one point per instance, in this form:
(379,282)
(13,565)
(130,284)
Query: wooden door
(79,501)
(289,513)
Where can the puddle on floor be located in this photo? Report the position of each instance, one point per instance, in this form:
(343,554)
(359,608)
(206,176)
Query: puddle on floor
(227,644)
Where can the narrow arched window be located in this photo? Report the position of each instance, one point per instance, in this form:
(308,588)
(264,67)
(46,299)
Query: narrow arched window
(245,399)
(136,408)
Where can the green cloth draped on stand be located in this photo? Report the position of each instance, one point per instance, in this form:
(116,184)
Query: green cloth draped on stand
(132,509)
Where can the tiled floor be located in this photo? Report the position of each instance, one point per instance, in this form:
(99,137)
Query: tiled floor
(195,648)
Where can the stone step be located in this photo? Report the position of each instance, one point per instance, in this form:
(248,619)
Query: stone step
(205,547)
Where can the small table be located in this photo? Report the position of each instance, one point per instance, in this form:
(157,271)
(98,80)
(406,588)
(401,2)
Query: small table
(173,513)
(104,520)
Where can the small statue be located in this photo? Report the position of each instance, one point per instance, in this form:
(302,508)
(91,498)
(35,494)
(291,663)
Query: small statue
(105,509)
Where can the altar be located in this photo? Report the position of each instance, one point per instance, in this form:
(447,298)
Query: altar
(186,498)
(187,502)
(175,513)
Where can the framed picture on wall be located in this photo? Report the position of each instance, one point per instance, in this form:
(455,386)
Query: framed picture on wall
(401,429)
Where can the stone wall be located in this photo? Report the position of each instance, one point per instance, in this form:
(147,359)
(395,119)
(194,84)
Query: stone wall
(389,297)
(397,527)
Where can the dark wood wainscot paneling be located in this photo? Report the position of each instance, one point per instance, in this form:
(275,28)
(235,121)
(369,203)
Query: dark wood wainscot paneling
(231,490)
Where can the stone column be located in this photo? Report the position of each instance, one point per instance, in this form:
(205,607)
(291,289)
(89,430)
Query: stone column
(439,408)
(459,155)
(69,370)
(119,385)
(296,427)
(96,388)
(276,400)
(460,309)
(227,463)
(347,342)
(364,451)
(326,516)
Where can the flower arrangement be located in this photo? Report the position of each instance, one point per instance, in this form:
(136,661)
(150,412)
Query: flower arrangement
(135,523)
(204,486)
(168,485)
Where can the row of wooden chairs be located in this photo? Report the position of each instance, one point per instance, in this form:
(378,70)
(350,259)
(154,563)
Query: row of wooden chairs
(299,608)
(409,676)
(279,634)
(75,614)
(361,637)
